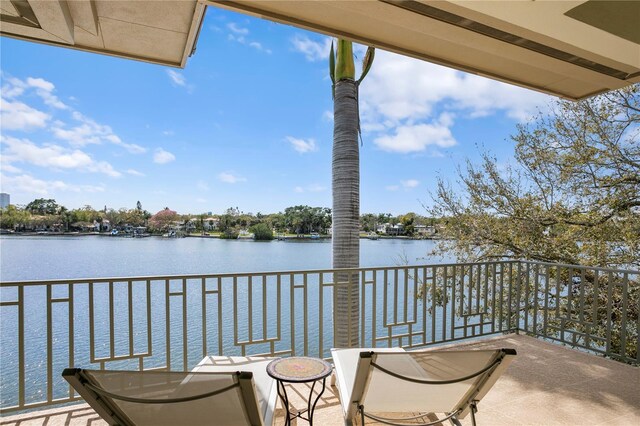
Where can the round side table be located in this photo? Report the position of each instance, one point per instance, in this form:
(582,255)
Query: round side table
(299,369)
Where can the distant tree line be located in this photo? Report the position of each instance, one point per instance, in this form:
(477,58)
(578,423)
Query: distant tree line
(47,215)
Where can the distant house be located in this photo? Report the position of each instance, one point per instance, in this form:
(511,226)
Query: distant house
(395,230)
(425,231)
(191,225)
(382,228)
(177,225)
(83,226)
(211,224)
(105,226)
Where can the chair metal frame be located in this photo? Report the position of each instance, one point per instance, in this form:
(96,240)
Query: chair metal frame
(367,362)
(102,401)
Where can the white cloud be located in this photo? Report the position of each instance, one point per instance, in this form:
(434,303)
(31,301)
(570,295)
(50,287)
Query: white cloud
(201,200)
(402,88)
(235,28)
(239,35)
(90,132)
(409,183)
(313,50)
(17,115)
(27,184)
(8,168)
(407,105)
(227,177)
(416,138)
(160,156)
(301,145)
(40,84)
(53,157)
(177,78)
(202,185)
(327,116)
(404,184)
(12,87)
(259,46)
(314,187)
(135,172)
(45,89)
(20,116)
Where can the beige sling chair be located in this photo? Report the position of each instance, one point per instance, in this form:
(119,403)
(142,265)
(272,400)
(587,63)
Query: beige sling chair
(391,386)
(220,391)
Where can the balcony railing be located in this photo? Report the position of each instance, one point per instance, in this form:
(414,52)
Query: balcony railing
(171,322)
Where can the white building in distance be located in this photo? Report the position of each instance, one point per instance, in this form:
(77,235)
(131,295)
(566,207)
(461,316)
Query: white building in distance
(4,200)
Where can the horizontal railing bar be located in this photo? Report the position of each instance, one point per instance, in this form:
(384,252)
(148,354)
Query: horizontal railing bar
(593,268)
(231,275)
(122,357)
(33,405)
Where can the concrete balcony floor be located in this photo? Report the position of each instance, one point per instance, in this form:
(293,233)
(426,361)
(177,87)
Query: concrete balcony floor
(547,384)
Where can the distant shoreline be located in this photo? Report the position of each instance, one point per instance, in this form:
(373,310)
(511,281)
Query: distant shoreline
(285,238)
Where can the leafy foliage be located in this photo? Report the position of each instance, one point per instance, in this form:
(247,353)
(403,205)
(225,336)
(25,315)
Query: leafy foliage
(43,206)
(305,219)
(261,232)
(573,198)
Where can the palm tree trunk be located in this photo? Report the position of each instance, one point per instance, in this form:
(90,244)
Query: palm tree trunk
(346,213)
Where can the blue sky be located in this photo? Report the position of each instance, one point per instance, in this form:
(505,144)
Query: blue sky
(247,123)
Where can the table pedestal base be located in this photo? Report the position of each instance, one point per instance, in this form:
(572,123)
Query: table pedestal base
(289,415)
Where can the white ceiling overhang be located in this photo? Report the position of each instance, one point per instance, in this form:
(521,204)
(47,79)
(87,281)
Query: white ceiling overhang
(163,32)
(565,48)
(572,48)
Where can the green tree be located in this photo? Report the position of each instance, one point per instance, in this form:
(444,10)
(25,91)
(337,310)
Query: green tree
(573,197)
(229,221)
(85,215)
(368,222)
(13,217)
(43,206)
(262,232)
(305,219)
(408,223)
(277,221)
(345,183)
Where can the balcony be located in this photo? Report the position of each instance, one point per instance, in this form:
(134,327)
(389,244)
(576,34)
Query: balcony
(172,322)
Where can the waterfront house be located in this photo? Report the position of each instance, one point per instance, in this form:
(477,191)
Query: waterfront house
(569,49)
(104,226)
(191,225)
(211,224)
(395,230)
(425,231)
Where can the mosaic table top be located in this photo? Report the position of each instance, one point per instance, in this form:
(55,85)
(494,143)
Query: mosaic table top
(299,369)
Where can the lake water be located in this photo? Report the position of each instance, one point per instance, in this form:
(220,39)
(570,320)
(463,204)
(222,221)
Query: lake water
(36,258)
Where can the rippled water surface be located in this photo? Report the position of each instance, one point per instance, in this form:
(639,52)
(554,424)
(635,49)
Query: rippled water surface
(34,258)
